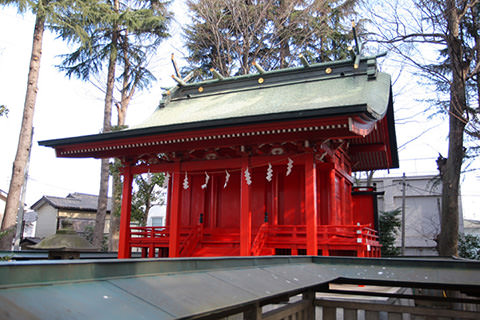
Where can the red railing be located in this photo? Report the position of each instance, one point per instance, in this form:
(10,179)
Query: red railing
(259,241)
(343,233)
(191,242)
(360,238)
(137,233)
(144,236)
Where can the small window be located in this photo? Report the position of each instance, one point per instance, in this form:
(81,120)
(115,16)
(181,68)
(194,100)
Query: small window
(157,222)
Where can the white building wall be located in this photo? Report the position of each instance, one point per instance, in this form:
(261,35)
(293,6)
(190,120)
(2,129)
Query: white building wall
(46,222)
(30,222)
(422,210)
(422,224)
(472,227)
(157,216)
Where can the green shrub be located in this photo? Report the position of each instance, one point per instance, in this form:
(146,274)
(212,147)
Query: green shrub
(469,246)
(389,223)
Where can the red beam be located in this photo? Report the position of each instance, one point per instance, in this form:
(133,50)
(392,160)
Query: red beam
(206,165)
(226,136)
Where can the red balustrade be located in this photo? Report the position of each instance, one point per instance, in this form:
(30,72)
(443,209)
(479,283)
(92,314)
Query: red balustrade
(359,240)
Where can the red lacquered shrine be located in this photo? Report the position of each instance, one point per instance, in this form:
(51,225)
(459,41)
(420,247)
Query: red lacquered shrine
(258,164)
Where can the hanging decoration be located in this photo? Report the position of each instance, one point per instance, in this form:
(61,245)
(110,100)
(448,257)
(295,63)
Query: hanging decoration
(227,177)
(289,166)
(185,182)
(269,172)
(207,177)
(248,178)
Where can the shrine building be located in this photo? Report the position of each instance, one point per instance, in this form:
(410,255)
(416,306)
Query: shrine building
(259,164)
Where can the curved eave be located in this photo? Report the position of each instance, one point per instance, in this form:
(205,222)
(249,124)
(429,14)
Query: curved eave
(174,141)
(197,127)
(378,149)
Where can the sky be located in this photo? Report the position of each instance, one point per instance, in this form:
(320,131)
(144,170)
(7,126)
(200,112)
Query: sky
(68,107)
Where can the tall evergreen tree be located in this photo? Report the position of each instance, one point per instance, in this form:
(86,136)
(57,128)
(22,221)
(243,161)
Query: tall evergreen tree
(122,38)
(230,35)
(46,13)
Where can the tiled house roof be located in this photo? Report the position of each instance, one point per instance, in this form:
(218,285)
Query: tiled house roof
(74,201)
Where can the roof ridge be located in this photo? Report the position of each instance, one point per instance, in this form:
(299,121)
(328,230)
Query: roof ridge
(84,194)
(261,80)
(285,70)
(58,197)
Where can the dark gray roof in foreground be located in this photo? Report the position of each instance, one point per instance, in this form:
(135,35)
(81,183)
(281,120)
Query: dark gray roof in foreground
(74,201)
(182,288)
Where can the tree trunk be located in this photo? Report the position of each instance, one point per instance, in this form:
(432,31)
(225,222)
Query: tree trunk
(21,158)
(126,96)
(450,173)
(98,231)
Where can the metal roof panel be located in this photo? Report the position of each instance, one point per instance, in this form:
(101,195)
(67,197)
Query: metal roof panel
(178,288)
(192,293)
(90,300)
(324,94)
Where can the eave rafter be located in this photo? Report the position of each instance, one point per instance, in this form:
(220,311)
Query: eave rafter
(218,137)
(278,138)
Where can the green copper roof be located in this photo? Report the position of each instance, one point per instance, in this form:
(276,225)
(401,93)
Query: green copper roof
(321,89)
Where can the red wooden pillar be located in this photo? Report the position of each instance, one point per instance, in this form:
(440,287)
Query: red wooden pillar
(245,212)
(342,213)
(210,220)
(169,201)
(332,216)
(175,208)
(311,204)
(125,213)
(274,219)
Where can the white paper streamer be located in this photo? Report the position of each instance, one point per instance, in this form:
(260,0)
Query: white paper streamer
(227,177)
(185,182)
(269,172)
(289,166)
(248,178)
(207,177)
